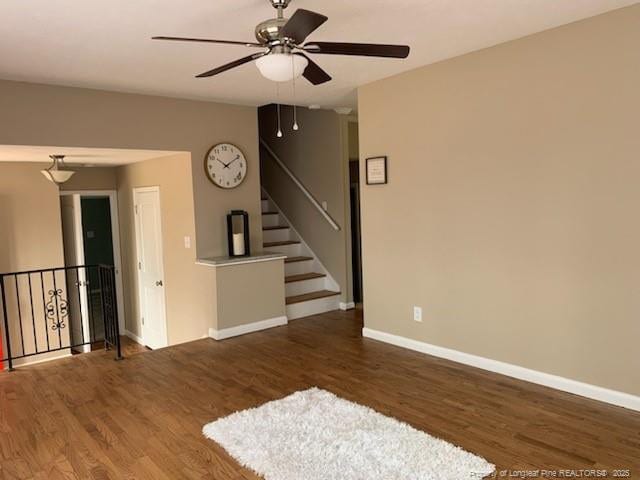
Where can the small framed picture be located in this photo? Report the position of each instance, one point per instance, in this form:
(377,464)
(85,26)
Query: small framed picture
(376,170)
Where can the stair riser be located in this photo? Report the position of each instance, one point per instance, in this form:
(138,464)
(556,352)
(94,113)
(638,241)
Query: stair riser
(270,220)
(313,307)
(289,250)
(304,286)
(276,235)
(297,268)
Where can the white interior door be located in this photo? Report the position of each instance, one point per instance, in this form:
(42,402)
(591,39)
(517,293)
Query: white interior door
(150,266)
(76,280)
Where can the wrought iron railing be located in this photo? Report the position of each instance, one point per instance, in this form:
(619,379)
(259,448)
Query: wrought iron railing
(58,309)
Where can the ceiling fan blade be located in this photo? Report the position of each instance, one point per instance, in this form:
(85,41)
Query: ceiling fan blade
(313,72)
(301,24)
(208,40)
(231,65)
(359,49)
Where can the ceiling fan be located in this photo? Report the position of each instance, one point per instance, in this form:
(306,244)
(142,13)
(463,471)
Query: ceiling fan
(285,56)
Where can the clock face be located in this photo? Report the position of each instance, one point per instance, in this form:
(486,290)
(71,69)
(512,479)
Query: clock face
(225,165)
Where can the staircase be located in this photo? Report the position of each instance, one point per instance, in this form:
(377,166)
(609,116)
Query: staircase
(309,289)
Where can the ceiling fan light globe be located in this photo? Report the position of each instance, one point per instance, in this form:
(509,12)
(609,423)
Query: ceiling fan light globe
(281,67)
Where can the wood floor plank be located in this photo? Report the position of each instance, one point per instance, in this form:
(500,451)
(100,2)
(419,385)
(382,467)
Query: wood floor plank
(89,417)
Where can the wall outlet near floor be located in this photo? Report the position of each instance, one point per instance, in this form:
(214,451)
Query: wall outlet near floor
(187,242)
(417,314)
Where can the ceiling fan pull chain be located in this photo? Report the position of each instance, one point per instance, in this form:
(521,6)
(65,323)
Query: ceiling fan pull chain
(295,113)
(279,133)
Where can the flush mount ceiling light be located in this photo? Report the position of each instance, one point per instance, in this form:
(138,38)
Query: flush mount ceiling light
(282,67)
(56,173)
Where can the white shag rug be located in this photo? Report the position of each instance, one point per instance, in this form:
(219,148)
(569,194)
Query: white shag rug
(314,435)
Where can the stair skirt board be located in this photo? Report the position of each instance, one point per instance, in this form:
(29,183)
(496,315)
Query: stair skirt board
(313,307)
(248,328)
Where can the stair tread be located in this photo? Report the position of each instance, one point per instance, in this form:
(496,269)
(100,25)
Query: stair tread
(270,213)
(280,244)
(303,276)
(297,259)
(276,227)
(310,296)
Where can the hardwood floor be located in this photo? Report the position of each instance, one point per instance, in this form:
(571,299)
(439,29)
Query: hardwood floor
(89,416)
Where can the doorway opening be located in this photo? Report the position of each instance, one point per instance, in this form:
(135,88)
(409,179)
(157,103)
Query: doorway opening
(90,235)
(354,205)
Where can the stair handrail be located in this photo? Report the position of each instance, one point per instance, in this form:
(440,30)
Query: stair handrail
(300,185)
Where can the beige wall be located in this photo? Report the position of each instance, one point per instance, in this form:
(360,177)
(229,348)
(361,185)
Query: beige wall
(249,293)
(511,210)
(75,117)
(30,239)
(91,178)
(315,154)
(189,313)
(30,224)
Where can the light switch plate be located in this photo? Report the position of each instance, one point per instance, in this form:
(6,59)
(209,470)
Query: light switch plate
(187,242)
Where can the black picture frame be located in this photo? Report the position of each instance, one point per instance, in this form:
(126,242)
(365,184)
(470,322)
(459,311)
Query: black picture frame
(371,181)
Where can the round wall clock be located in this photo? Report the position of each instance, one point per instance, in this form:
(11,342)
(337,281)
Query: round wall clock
(225,165)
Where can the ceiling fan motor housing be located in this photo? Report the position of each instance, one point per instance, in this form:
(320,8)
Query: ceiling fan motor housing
(269,30)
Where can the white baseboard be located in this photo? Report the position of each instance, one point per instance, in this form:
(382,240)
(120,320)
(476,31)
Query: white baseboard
(248,328)
(134,337)
(613,397)
(27,362)
(347,305)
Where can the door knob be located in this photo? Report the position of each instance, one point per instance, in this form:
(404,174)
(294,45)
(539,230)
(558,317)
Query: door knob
(159,283)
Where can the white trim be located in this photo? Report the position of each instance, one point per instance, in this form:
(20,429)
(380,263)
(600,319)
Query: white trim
(209,263)
(559,383)
(115,234)
(35,362)
(134,337)
(248,328)
(347,305)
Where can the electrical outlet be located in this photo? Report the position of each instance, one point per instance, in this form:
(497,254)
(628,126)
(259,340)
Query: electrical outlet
(417,314)
(187,242)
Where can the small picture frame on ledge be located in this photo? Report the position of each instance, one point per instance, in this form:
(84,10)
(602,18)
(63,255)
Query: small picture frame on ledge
(376,170)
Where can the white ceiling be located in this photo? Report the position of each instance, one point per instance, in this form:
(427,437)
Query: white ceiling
(97,157)
(106,44)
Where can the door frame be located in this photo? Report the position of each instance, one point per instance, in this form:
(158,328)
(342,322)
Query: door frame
(165,327)
(115,240)
(81,274)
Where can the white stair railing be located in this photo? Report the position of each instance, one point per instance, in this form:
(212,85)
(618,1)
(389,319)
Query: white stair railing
(300,185)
